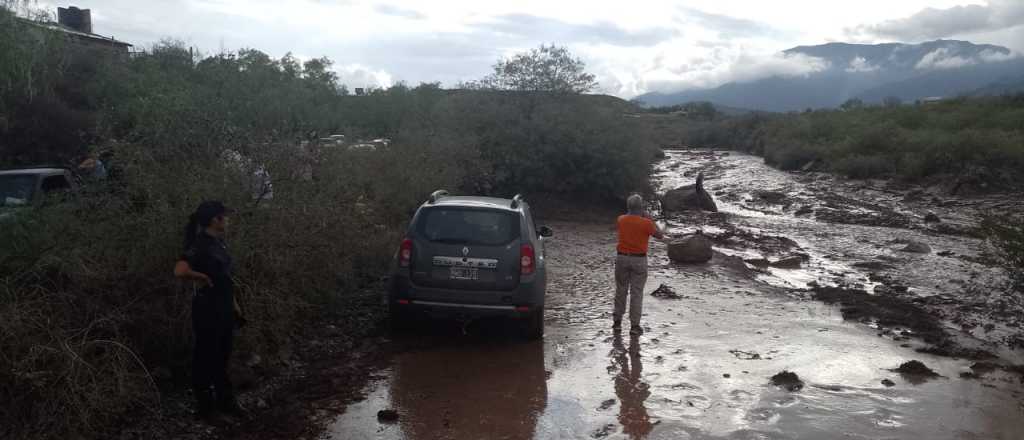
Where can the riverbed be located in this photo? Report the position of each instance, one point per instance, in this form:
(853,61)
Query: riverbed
(702,368)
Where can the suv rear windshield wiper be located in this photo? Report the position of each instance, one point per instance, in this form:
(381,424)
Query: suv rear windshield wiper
(451,241)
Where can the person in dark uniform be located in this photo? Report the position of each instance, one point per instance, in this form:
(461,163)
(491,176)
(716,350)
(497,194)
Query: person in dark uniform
(207,264)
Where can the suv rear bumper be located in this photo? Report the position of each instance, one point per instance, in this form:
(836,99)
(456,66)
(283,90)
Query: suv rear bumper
(521,302)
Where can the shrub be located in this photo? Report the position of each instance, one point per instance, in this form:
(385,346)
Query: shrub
(789,156)
(979,140)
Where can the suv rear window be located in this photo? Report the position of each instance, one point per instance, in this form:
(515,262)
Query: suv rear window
(468,226)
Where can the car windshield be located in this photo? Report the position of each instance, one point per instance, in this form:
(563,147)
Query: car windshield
(16,189)
(469,226)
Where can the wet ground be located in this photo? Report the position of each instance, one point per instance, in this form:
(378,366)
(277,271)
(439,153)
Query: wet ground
(703,367)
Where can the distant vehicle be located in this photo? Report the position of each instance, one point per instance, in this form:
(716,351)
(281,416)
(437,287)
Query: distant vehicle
(334,140)
(373,145)
(362,147)
(467,256)
(24,187)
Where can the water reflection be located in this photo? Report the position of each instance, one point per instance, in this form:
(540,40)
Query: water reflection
(470,389)
(630,389)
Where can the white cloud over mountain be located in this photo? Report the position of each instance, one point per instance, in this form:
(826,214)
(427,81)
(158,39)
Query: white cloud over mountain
(632,47)
(932,23)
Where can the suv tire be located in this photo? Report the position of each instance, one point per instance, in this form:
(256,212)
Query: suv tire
(533,326)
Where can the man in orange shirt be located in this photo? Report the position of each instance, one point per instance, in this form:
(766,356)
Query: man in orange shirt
(635,230)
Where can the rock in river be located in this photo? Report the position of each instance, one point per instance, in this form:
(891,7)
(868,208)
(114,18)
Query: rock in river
(917,368)
(690,197)
(917,247)
(770,197)
(791,262)
(788,380)
(692,249)
(387,416)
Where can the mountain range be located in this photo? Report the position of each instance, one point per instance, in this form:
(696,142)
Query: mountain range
(872,73)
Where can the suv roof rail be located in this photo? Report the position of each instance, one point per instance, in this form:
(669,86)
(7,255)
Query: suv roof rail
(436,195)
(517,200)
(37,167)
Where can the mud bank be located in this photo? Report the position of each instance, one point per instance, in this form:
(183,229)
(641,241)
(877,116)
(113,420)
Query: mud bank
(324,368)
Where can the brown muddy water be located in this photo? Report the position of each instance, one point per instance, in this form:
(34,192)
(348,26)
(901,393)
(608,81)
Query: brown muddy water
(702,368)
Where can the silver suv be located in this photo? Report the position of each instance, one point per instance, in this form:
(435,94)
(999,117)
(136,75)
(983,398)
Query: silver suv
(471,257)
(25,187)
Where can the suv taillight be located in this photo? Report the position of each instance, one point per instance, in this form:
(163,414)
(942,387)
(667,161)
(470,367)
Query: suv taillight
(405,253)
(527,261)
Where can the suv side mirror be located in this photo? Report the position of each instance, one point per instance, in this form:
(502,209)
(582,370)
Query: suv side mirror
(545,231)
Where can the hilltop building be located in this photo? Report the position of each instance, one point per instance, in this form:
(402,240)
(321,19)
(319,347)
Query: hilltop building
(76,25)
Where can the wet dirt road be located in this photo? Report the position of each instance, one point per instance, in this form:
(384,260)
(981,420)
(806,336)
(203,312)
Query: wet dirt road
(702,368)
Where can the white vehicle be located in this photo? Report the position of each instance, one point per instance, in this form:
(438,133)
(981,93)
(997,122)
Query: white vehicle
(25,186)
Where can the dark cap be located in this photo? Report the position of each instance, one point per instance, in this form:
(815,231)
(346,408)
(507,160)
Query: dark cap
(209,210)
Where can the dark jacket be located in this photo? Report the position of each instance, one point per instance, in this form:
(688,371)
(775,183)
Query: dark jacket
(213,305)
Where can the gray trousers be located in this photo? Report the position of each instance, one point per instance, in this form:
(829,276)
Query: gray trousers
(630,277)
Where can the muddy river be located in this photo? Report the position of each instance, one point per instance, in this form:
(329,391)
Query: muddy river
(702,368)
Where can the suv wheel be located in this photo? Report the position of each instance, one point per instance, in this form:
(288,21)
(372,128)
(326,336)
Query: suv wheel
(533,326)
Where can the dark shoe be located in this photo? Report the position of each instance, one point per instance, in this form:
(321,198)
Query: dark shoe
(636,330)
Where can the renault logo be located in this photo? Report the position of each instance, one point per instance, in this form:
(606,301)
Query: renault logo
(465,251)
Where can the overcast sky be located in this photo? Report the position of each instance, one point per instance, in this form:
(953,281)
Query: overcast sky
(632,46)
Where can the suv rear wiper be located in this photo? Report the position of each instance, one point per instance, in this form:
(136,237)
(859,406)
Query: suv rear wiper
(451,241)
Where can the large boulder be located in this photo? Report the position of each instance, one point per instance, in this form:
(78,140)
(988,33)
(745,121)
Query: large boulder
(690,197)
(691,249)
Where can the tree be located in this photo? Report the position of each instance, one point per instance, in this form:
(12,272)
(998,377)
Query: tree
(544,69)
(852,104)
(892,101)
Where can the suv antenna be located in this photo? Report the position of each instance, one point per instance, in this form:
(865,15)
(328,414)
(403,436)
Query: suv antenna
(516,201)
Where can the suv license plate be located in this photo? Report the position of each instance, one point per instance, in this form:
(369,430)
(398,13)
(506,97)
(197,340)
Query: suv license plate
(464,273)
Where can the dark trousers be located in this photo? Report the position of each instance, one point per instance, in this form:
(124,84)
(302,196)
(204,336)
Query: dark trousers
(213,343)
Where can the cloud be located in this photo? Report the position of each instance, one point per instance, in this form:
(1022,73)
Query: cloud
(946,58)
(358,76)
(726,25)
(396,11)
(942,59)
(554,30)
(861,65)
(932,23)
(992,56)
(724,66)
(751,68)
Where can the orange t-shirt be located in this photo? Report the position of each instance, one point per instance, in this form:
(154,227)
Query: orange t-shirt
(634,232)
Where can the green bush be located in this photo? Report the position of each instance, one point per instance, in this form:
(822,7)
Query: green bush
(978,140)
(789,155)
